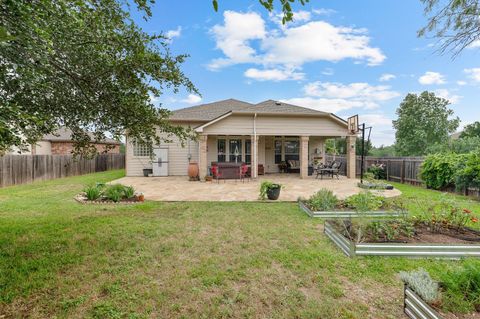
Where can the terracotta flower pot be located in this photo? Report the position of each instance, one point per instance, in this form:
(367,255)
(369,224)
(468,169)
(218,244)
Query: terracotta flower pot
(193,170)
(141,198)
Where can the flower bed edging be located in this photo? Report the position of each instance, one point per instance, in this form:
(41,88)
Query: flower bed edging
(346,214)
(416,308)
(441,251)
(83,200)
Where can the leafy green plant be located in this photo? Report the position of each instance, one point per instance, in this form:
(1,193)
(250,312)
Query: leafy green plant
(421,282)
(115,192)
(378,171)
(323,200)
(468,171)
(461,288)
(128,192)
(438,170)
(364,201)
(390,230)
(266,186)
(93,192)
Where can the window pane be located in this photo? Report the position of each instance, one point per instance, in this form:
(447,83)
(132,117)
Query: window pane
(140,150)
(248,151)
(292,150)
(278,151)
(235,149)
(221,150)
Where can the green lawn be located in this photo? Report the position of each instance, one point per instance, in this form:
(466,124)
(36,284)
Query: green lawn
(184,260)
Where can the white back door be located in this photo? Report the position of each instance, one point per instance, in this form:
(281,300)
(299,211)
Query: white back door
(160,162)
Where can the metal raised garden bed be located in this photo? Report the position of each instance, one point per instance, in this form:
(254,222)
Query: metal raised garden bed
(416,308)
(346,214)
(443,251)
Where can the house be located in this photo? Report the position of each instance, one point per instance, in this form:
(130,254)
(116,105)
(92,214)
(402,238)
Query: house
(60,143)
(262,135)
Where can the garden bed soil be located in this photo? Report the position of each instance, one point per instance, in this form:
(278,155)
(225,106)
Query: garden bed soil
(424,235)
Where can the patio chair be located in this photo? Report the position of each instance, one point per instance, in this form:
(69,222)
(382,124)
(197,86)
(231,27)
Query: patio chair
(244,172)
(324,169)
(335,170)
(216,173)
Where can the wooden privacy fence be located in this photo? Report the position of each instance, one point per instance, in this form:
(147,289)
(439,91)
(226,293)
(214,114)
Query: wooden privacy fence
(21,169)
(397,169)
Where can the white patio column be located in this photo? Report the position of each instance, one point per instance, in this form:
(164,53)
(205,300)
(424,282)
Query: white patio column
(303,156)
(351,156)
(202,157)
(254,156)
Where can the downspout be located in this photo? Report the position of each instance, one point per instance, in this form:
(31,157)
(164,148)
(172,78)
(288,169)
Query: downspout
(256,146)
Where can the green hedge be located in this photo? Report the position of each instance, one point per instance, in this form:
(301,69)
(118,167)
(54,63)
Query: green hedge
(443,170)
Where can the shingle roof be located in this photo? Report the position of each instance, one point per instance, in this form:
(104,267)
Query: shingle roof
(210,111)
(64,134)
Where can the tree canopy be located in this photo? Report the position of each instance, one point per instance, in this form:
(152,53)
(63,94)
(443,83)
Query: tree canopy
(423,120)
(471,130)
(82,64)
(455,23)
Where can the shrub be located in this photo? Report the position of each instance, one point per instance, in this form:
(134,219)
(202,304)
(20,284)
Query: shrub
(128,192)
(365,201)
(378,171)
(115,192)
(461,288)
(468,171)
(421,282)
(323,200)
(93,192)
(438,170)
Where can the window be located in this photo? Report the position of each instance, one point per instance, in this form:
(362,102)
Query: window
(221,150)
(278,151)
(292,150)
(248,151)
(141,150)
(235,150)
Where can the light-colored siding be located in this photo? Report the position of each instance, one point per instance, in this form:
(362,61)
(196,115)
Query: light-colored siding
(43,148)
(177,155)
(277,125)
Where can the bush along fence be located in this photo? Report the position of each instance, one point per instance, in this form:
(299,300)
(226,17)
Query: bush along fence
(405,170)
(22,169)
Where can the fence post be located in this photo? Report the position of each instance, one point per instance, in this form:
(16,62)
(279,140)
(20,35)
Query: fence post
(388,170)
(402,172)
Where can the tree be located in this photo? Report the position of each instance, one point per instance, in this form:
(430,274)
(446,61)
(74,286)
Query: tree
(459,146)
(269,5)
(82,64)
(339,146)
(383,151)
(455,23)
(471,130)
(423,120)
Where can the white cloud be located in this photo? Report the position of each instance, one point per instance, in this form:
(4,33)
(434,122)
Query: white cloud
(431,78)
(317,41)
(474,45)
(382,128)
(323,11)
(171,34)
(386,77)
(473,73)
(368,95)
(273,74)
(289,46)
(461,83)
(192,99)
(328,71)
(337,97)
(444,93)
(234,35)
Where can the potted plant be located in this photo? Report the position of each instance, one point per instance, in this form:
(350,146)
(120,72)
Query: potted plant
(270,190)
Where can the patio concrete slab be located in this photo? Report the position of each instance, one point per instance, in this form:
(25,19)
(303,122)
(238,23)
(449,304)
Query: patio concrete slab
(178,188)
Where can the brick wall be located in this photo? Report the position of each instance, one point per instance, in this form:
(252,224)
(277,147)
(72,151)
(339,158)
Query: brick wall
(66,148)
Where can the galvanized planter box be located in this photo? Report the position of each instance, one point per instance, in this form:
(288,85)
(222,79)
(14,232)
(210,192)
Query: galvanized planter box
(442,251)
(416,308)
(346,214)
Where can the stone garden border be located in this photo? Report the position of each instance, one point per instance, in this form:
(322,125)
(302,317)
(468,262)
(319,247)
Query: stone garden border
(83,200)
(441,251)
(345,213)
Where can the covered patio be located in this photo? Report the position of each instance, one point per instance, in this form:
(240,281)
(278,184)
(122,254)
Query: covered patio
(178,188)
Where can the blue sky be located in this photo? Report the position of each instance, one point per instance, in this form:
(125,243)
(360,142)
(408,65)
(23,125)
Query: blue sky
(345,57)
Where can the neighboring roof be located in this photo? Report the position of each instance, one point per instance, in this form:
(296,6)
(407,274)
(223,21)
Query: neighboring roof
(211,111)
(64,134)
